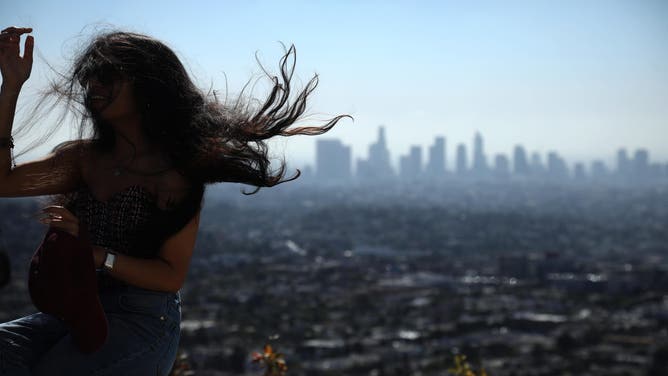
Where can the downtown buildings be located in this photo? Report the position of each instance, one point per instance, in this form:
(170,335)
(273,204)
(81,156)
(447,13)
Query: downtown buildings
(334,164)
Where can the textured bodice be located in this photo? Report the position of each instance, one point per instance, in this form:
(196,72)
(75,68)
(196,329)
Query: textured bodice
(130,221)
(121,222)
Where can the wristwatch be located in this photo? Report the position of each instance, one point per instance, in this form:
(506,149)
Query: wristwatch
(109,261)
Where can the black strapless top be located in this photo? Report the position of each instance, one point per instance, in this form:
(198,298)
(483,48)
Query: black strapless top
(130,221)
(117,222)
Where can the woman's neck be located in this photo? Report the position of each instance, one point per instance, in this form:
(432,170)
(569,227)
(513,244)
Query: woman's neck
(132,143)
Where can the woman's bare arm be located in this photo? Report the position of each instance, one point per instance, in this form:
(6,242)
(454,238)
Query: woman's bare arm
(167,272)
(15,70)
(57,173)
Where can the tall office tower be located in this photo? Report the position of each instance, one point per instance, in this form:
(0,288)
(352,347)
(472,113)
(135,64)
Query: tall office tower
(411,164)
(436,163)
(536,167)
(520,162)
(379,158)
(416,158)
(462,162)
(623,163)
(332,160)
(640,164)
(579,172)
(599,171)
(479,160)
(501,166)
(404,167)
(556,167)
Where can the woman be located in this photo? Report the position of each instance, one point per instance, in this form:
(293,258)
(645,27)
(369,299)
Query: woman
(135,183)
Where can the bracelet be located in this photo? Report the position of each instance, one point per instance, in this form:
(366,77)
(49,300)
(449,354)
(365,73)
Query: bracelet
(109,259)
(7,142)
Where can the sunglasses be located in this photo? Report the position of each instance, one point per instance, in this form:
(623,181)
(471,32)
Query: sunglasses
(105,75)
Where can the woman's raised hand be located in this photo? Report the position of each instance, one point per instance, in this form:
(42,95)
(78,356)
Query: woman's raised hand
(15,68)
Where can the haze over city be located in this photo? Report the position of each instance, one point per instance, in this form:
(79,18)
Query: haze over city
(583,78)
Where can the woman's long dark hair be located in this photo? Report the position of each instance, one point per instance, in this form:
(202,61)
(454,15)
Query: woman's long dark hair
(206,140)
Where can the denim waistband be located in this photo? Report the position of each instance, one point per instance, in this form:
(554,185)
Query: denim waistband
(134,299)
(111,288)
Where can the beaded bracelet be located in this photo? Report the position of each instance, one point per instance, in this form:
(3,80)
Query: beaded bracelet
(8,142)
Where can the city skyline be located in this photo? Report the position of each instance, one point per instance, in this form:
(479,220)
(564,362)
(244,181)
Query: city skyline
(334,161)
(398,149)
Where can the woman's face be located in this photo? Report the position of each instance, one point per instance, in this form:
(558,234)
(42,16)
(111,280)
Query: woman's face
(111,97)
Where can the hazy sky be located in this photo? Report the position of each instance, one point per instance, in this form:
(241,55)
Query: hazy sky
(581,77)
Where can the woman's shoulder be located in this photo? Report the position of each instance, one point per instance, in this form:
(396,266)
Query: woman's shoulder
(81,151)
(76,154)
(86,153)
(82,146)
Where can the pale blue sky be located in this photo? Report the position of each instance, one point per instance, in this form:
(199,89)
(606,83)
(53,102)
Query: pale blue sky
(582,77)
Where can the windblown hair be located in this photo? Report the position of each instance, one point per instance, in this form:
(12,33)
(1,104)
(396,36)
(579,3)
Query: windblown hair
(206,140)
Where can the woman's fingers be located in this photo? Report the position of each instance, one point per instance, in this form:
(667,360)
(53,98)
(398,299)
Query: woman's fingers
(57,209)
(60,211)
(66,226)
(29,46)
(16,30)
(61,218)
(9,38)
(12,35)
(15,68)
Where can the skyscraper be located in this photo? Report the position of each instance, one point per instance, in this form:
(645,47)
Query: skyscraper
(479,160)
(579,173)
(640,164)
(556,166)
(520,162)
(377,166)
(536,168)
(436,163)
(462,161)
(410,166)
(501,166)
(623,163)
(332,160)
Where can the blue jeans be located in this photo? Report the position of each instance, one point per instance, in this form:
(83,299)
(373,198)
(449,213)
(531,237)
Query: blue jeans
(144,331)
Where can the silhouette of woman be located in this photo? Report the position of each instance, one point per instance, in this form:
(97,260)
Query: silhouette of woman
(149,141)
